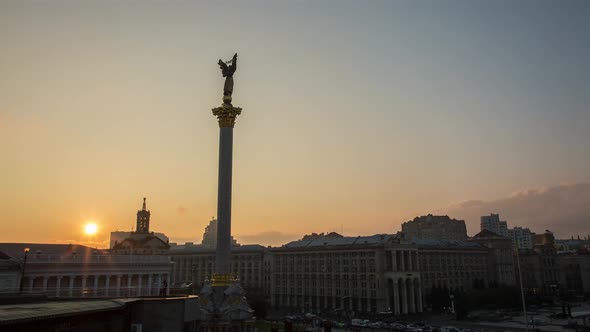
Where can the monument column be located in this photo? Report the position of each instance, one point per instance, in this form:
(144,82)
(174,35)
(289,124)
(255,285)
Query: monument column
(222,299)
(226,115)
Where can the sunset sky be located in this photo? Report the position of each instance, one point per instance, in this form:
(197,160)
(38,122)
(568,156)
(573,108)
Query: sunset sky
(358,115)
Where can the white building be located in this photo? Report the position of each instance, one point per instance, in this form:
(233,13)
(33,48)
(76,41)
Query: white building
(522,237)
(72,271)
(493,223)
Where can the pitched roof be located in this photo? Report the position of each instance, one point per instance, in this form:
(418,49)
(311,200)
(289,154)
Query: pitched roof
(322,241)
(139,241)
(447,243)
(197,250)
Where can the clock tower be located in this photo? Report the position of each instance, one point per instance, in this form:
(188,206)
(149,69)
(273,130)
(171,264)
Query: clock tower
(143,220)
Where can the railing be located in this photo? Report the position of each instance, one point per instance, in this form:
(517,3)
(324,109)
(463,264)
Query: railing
(100,292)
(106,259)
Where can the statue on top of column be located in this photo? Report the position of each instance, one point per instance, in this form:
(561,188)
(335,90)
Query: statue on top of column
(228,73)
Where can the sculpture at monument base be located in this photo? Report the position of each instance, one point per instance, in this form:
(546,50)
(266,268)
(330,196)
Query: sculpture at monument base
(219,304)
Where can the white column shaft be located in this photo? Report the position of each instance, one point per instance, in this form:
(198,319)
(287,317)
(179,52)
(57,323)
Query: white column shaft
(107,283)
(57,285)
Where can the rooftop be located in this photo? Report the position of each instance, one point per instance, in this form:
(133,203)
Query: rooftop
(447,243)
(11,313)
(322,241)
(16,250)
(200,249)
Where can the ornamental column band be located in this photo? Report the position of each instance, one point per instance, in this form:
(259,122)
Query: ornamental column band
(226,115)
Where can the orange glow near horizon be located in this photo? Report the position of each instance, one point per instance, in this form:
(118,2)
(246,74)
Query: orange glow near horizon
(356,122)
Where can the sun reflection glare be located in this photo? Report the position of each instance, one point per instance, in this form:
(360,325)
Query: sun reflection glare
(90,228)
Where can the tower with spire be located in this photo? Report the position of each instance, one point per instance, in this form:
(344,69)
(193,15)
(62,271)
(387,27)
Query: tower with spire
(143,220)
(141,241)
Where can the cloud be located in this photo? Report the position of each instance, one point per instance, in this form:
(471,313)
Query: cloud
(563,209)
(273,238)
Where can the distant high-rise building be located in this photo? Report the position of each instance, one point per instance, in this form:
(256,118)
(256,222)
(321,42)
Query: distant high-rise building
(435,228)
(522,237)
(210,236)
(493,223)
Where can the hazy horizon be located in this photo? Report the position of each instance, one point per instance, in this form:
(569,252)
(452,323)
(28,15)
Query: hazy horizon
(356,116)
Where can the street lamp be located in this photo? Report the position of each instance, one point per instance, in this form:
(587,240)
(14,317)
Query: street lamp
(22,277)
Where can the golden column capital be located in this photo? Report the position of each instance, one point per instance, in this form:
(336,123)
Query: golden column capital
(226,115)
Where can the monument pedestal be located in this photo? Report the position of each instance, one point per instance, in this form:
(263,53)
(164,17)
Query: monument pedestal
(224,303)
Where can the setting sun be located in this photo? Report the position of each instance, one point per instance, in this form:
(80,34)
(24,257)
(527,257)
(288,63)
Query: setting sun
(90,229)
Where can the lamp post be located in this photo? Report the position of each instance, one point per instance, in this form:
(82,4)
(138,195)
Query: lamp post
(22,277)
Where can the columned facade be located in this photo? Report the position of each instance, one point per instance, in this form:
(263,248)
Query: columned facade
(72,276)
(96,285)
(356,274)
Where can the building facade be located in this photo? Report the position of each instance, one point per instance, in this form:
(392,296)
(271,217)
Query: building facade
(540,269)
(10,273)
(522,237)
(574,270)
(452,265)
(494,224)
(431,227)
(501,266)
(141,241)
(119,236)
(73,271)
(336,273)
(194,265)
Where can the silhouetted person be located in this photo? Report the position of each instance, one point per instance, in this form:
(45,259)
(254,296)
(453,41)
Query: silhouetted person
(164,288)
